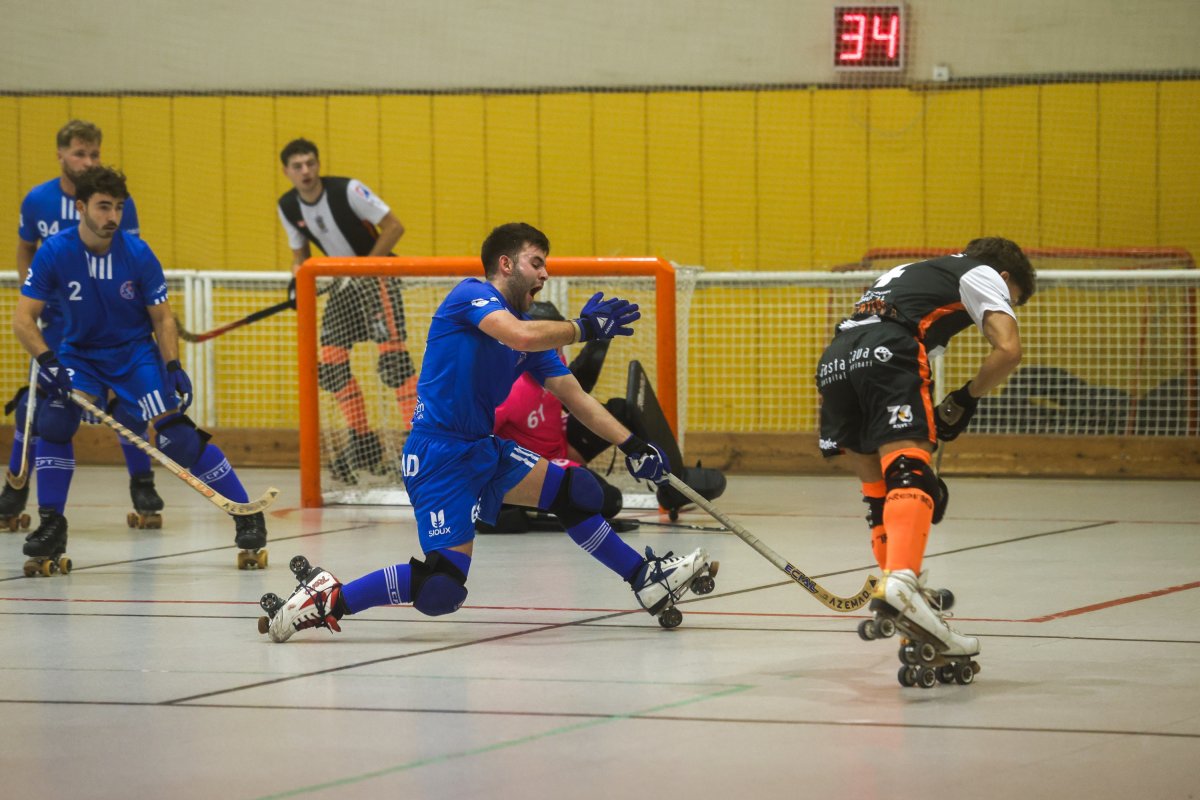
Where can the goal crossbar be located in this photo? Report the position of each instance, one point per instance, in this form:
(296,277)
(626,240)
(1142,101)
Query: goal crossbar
(666,345)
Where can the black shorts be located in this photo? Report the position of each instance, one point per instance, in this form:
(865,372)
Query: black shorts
(875,388)
(363,310)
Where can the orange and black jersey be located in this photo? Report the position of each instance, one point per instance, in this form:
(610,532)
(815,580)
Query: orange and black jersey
(933,299)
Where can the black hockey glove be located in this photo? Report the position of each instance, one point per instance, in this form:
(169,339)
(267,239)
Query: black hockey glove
(53,377)
(178,383)
(604,319)
(954,412)
(644,460)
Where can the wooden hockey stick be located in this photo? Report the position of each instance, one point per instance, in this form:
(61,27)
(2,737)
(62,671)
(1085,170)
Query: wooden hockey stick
(823,596)
(19,480)
(218,500)
(262,313)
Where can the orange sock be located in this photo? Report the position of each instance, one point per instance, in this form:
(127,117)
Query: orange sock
(354,408)
(406,396)
(873,495)
(907,515)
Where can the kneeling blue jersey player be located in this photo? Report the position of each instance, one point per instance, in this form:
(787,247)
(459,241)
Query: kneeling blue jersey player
(119,336)
(480,341)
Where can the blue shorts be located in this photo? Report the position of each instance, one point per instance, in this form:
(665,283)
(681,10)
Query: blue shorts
(135,373)
(452,482)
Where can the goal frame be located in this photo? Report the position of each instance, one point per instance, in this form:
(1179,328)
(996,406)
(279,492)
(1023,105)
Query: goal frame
(661,270)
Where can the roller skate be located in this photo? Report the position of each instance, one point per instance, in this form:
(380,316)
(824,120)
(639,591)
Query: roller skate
(251,537)
(316,603)
(147,505)
(662,582)
(931,651)
(363,454)
(12,506)
(47,546)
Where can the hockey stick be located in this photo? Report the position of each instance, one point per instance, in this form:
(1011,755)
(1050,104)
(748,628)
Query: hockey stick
(825,597)
(19,480)
(220,501)
(262,313)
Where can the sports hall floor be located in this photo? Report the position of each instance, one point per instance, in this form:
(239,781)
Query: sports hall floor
(141,674)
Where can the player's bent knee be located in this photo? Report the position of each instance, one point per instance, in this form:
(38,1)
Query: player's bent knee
(579,497)
(395,367)
(912,473)
(438,587)
(57,420)
(180,440)
(333,377)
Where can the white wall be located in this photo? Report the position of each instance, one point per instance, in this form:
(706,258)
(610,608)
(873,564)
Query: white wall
(453,44)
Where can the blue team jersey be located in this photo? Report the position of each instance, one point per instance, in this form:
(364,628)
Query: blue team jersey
(465,373)
(48,210)
(104,297)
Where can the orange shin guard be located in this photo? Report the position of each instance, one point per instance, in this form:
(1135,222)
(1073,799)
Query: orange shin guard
(354,408)
(907,516)
(873,495)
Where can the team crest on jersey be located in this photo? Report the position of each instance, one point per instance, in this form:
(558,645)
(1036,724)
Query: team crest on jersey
(902,416)
(321,224)
(127,291)
(883,354)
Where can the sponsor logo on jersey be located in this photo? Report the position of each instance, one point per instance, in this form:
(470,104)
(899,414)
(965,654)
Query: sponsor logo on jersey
(902,416)
(883,354)
(437,523)
(828,446)
(362,191)
(475,511)
(480,302)
(127,291)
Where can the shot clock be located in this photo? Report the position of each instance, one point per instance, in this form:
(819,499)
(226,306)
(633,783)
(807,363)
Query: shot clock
(869,38)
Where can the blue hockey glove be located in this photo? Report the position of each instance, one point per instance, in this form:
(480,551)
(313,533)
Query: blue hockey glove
(604,319)
(53,377)
(179,383)
(954,412)
(644,460)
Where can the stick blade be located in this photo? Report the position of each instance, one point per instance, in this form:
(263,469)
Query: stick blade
(253,506)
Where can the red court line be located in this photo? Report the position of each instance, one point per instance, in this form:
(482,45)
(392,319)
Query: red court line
(1109,604)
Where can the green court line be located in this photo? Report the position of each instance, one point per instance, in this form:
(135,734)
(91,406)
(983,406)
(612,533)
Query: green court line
(366,776)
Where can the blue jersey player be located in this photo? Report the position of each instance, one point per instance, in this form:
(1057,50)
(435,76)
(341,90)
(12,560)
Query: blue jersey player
(480,341)
(118,336)
(48,209)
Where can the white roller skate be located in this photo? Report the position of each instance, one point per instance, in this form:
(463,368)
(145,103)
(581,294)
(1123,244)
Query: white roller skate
(663,581)
(930,650)
(316,603)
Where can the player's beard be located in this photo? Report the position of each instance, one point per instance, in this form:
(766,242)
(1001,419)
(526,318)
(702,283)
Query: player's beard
(103,232)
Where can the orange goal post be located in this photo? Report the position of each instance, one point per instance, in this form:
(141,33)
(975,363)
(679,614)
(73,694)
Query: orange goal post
(651,282)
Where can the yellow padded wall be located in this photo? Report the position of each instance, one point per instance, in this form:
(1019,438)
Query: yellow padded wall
(249,183)
(1179,164)
(1010,164)
(460,218)
(673,176)
(729,180)
(784,179)
(1127,156)
(839,131)
(953,180)
(896,160)
(11,190)
(352,150)
(619,173)
(199,192)
(39,119)
(406,168)
(150,167)
(565,169)
(1068,190)
(510,182)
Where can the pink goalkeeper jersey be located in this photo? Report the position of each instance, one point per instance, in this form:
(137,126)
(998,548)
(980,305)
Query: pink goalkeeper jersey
(533,417)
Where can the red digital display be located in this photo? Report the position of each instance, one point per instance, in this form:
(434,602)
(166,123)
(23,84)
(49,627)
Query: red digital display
(868,37)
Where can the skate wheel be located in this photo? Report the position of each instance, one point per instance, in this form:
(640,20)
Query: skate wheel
(927,652)
(300,567)
(64,565)
(948,674)
(867,630)
(261,559)
(30,568)
(264,624)
(670,618)
(703,584)
(926,677)
(153,522)
(673,514)
(965,674)
(46,568)
(712,568)
(885,627)
(908,655)
(907,676)
(11,523)
(131,519)
(271,603)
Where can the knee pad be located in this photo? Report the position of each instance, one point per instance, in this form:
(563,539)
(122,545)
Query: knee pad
(614,501)
(579,497)
(333,377)
(912,473)
(57,420)
(438,587)
(180,440)
(395,367)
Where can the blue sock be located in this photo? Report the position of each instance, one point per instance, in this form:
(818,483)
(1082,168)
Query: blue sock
(55,467)
(137,461)
(392,585)
(594,534)
(214,470)
(14,459)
